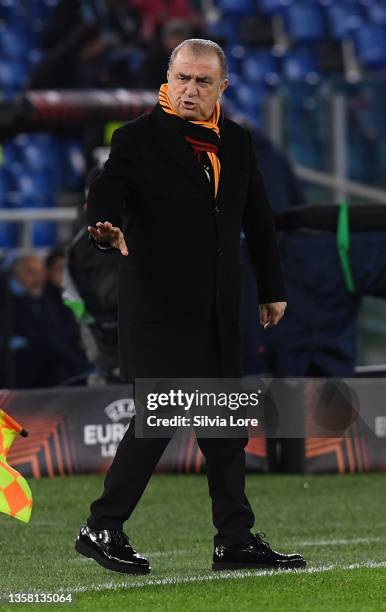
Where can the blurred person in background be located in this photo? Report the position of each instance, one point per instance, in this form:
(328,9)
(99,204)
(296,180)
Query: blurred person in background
(155,63)
(63,324)
(155,13)
(93,278)
(55,263)
(39,337)
(88,44)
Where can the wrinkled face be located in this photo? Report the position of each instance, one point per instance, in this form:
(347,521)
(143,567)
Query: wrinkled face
(195,84)
(31,274)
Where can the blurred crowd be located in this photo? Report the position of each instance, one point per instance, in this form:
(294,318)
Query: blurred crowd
(40,341)
(114,43)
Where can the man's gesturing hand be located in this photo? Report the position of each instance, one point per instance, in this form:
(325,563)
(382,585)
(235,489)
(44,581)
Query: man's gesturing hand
(106,232)
(271,313)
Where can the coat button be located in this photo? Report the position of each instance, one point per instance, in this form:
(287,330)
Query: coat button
(216,209)
(220,251)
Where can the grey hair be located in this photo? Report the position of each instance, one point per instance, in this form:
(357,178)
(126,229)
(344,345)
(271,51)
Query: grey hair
(199,46)
(20,257)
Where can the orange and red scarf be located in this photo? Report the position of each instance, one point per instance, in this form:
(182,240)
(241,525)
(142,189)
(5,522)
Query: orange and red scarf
(201,142)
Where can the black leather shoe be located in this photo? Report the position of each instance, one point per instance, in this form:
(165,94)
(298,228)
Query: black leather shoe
(254,554)
(111,549)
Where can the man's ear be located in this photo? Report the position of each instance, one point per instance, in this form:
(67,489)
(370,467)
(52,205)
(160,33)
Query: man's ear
(223,86)
(168,75)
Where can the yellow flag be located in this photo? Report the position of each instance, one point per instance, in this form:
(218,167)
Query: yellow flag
(15,494)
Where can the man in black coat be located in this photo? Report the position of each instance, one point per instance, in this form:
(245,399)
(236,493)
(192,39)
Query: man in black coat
(184,181)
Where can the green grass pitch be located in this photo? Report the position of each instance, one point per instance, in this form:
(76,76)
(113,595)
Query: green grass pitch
(337,522)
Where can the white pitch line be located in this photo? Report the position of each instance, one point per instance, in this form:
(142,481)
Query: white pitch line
(341,542)
(232,575)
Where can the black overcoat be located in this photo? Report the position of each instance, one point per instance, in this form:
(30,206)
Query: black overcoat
(179,286)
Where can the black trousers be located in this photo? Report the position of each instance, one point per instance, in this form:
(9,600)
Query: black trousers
(137,458)
(134,463)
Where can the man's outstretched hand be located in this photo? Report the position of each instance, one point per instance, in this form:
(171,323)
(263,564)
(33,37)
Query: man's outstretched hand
(271,313)
(106,232)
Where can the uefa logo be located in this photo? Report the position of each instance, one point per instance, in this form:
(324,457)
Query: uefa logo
(120,409)
(108,435)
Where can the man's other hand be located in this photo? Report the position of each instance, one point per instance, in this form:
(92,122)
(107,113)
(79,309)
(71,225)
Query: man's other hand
(271,313)
(106,232)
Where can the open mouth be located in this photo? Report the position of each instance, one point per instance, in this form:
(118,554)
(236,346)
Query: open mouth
(188,105)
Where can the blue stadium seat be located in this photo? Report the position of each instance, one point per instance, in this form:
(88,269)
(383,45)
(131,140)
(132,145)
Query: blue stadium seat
(33,159)
(40,9)
(300,64)
(236,7)
(376,13)
(9,235)
(304,22)
(260,65)
(272,7)
(30,190)
(234,64)
(44,234)
(235,55)
(13,75)
(34,57)
(73,164)
(343,18)
(42,153)
(5,185)
(13,150)
(370,45)
(11,10)
(250,95)
(231,92)
(14,42)
(226,29)
(3,189)
(50,4)
(254,117)
(37,165)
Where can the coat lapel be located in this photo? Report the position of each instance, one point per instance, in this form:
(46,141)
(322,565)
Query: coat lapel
(225,157)
(172,142)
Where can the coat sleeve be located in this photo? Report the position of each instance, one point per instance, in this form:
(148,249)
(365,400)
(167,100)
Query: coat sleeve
(260,233)
(109,193)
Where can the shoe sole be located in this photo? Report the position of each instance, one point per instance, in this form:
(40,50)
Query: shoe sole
(84,550)
(238,566)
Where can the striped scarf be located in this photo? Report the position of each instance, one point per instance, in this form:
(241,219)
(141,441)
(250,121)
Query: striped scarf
(199,145)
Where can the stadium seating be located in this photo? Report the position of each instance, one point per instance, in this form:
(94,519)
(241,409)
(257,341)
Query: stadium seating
(35,166)
(225,30)
(304,22)
(300,64)
(370,43)
(343,18)
(236,7)
(44,234)
(9,235)
(271,7)
(260,65)
(376,12)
